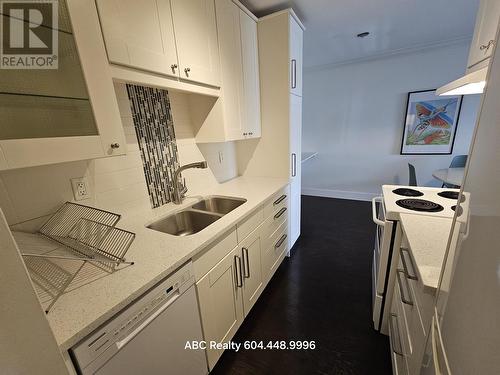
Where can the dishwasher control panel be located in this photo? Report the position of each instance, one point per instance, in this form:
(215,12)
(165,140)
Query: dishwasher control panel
(114,334)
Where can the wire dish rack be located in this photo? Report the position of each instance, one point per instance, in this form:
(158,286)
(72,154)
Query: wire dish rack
(89,235)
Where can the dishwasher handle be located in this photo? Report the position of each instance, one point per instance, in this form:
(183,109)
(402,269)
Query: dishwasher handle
(120,344)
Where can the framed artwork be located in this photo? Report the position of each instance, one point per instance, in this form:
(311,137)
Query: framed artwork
(430,124)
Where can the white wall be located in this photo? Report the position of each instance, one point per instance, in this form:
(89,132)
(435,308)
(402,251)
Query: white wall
(116,182)
(353,117)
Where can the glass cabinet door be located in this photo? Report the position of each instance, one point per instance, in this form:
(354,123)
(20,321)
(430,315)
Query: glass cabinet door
(46,103)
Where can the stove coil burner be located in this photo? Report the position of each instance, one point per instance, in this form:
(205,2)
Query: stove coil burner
(450,195)
(408,192)
(419,205)
(460,210)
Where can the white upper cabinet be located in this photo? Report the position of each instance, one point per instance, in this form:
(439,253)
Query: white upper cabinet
(251,86)
(484,32)
(64,114)
(177,38)
(296,44)
(228,27)
(196,37)
(139,34)
(237,34)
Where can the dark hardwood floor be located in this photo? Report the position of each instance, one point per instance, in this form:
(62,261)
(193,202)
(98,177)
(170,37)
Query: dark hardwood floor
(321,293)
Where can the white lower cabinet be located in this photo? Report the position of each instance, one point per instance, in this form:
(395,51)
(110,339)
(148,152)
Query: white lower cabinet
(231,278)
(221,303)
(252,281)
(411,313)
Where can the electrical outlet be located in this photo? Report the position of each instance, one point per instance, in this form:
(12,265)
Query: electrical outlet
(81,189)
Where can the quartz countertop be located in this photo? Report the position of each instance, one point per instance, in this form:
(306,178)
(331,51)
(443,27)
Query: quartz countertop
(95,296)
(428,239)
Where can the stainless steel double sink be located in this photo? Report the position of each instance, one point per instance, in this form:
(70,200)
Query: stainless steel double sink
(198,216)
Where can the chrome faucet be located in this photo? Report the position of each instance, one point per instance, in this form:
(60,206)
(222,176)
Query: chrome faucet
(178,194)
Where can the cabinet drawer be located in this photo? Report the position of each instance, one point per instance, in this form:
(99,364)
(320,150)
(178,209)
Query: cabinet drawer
(271,225)
(396,339)
(204,262)
(404,316)
(424,300)
(247,226)
(276,202)
(406,283)
(275,251)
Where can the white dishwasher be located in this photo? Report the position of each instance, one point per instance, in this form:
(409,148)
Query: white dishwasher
(149,336)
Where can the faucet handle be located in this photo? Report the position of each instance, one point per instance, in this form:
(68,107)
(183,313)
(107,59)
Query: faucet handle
(184,187)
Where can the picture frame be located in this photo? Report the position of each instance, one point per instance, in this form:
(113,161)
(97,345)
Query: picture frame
(430,124)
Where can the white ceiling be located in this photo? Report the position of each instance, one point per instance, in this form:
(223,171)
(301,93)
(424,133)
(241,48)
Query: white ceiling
(394,25)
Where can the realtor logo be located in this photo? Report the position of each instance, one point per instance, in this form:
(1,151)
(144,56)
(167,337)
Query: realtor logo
(29,34)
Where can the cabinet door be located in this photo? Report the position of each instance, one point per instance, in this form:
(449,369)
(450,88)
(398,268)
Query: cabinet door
(228,28)
(296,44)
(484,32)
(65,114)
(251,86)
(221,303)
(139,34)
(252,269)
(196,37)
(295,167)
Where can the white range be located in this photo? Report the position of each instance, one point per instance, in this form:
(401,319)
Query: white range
(396,199)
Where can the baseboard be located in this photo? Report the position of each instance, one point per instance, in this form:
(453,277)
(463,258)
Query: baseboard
(340,194)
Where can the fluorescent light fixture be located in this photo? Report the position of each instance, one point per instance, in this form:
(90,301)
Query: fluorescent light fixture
(472,83)
(470,88)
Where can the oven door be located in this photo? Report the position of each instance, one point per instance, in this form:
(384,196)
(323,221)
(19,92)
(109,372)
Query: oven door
(382,243)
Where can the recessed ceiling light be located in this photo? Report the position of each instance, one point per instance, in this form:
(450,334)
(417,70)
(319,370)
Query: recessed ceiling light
(362,35)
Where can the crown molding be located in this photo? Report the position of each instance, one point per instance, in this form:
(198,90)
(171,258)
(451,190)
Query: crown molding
(391,53)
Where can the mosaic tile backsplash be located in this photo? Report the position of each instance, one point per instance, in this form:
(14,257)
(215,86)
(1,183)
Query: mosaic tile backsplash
(154,127)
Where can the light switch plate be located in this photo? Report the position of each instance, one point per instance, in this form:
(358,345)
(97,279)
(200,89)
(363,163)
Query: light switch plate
(81,188)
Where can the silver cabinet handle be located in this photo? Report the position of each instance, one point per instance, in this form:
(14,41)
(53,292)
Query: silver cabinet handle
(294,73)
(237,271)
(115,145)
(280,242)
(279,200)
(407,261)
(405,292)
(280,213)
(394,332)
(486,47)
(246,263)
(294,164)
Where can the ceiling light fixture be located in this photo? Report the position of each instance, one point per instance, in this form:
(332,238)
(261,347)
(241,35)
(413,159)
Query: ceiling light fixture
(363,34)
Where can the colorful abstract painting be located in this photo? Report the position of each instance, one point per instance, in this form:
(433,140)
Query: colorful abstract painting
(431,123)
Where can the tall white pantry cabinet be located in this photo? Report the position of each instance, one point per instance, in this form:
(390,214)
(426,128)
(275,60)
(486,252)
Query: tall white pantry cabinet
(280,37)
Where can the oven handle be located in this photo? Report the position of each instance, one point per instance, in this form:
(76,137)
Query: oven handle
(376,220)
(120,344)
